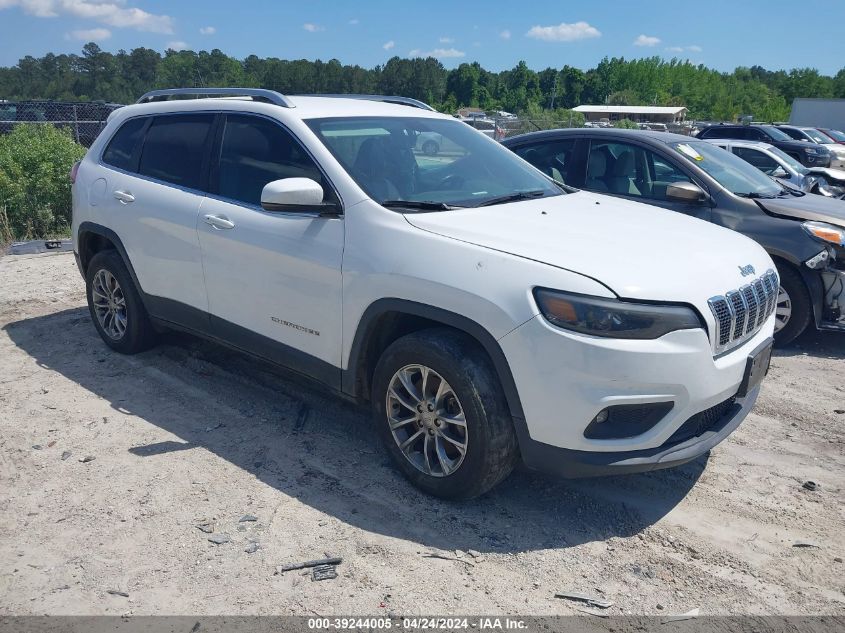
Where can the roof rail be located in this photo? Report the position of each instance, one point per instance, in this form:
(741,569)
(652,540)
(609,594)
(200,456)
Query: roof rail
(408,101)
(257,94)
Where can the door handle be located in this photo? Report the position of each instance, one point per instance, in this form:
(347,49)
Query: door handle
(124,197)
(219,222)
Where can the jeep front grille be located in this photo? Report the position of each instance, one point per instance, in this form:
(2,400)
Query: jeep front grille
(740,313)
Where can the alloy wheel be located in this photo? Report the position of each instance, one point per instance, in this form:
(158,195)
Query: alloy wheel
(109,304)
(783,310)
(427,420)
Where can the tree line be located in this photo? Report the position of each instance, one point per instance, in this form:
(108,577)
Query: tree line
(708,94)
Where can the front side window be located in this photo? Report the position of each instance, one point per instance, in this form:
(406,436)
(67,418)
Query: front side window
(394,159)
(174,149)
(120,152)
(760,160)
(553,158)
(630,170)
(256,151)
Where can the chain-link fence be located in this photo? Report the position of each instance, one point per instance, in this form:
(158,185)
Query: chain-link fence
(85,120)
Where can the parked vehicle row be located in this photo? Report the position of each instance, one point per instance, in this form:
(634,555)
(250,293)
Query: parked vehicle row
(488,313)
(804,234)
(808,154)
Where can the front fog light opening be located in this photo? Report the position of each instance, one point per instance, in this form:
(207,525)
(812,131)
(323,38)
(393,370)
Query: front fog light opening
(626,420)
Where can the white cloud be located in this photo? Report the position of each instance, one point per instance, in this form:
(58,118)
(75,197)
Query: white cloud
(447,40)
(646,40)
(354,21)
(680,49)
(437,53)
(505,35)
(388,45)
(313,28)
(110,12)
(89,35)
(208,30)
(177,45)
(564,32)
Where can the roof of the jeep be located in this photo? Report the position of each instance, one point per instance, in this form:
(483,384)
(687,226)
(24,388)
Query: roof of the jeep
(305,107)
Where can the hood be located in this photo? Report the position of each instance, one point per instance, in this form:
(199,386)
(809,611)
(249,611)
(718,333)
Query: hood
(807,207)
(801,146)
(636,250)
(830,174)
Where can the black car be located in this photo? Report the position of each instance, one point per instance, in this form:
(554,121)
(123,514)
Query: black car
(807,154)
(804,234)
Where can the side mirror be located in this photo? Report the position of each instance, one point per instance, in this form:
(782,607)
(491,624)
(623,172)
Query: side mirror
(295,195)
(780,172)
(685,192)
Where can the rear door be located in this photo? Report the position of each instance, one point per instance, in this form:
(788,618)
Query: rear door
(273,279)
(154,189)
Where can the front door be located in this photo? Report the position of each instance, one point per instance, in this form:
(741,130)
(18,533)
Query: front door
(273,279)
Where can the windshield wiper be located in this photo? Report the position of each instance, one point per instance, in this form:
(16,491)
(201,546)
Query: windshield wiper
(513,197)
(421,205)
(754,195)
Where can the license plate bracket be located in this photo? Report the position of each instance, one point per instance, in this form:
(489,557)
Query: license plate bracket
(756,367)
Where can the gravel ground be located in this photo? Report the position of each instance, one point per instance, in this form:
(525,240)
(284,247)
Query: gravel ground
(190,433)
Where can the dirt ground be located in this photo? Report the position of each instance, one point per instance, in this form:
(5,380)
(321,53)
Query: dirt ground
(191,433)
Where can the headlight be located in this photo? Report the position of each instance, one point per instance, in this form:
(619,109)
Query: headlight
(612,318)
(825,232)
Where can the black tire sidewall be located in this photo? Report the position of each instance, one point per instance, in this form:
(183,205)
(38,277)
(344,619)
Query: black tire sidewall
(491,446)
(794,286)
(138,333)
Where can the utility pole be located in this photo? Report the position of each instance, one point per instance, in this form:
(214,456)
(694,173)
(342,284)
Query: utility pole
(554,92)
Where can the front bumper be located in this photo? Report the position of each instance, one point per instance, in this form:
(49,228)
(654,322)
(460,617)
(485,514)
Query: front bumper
(564,380)
(572,464)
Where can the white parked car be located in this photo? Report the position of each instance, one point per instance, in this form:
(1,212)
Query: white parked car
(485,312)
(776,163)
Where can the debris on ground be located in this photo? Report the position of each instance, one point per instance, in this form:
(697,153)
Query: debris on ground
(117,592)
(805,544)
(219,539)
(37,447)
(205,526)
(247,518)
(324,572)
(66,455)
(87,458)
(310,563)
(689,615)
(252,548)
(810,485)
(590,600)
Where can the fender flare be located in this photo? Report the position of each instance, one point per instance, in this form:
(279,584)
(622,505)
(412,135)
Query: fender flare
(366,329)
(111,236)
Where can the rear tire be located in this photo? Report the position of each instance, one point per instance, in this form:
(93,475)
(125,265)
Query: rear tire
(448,372)
(794,307)
(115,305)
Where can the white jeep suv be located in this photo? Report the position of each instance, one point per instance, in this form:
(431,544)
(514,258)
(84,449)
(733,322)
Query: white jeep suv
(487,313)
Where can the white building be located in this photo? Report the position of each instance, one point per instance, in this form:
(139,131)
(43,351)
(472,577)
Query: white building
(653,114)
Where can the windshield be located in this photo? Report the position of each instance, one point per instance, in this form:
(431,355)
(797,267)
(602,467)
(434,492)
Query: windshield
(790,162)
(778,135)
(817,136)
(730,171)
(439,162)
(836,135)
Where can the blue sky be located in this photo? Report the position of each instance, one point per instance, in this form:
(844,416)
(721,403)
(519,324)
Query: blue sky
(719,33)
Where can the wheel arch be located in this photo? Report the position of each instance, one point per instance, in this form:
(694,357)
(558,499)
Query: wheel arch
(812,280)
(93,238)
(386,320)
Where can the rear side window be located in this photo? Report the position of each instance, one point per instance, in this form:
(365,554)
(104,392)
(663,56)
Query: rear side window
(175,149)
(120,151)
(553,158)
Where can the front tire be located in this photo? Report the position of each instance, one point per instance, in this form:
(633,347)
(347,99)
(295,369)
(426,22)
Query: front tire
(115,305)
(794,307)
(441,414)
